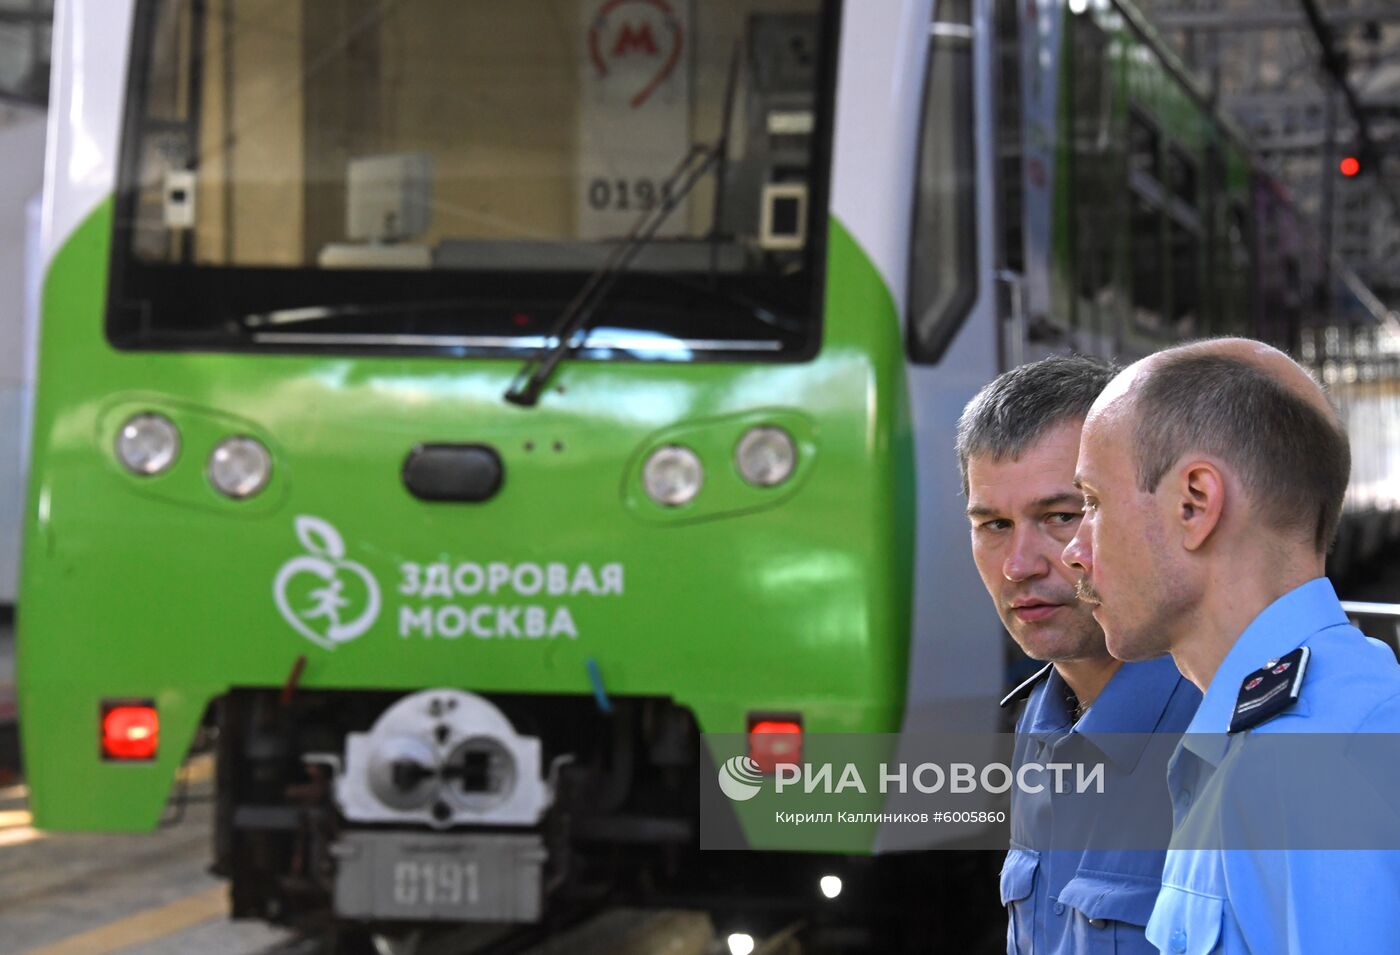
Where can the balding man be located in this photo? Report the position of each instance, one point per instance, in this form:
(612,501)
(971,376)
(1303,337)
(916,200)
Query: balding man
(1213,477)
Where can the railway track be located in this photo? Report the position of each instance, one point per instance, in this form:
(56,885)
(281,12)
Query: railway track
(148,894)
(616,931)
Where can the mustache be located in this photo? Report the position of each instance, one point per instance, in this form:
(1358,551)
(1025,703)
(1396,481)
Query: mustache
(1085,592)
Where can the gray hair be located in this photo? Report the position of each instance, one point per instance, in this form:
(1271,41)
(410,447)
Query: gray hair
(1293,459)
(1015,409)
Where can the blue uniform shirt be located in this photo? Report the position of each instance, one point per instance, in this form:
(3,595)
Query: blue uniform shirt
(1062,900)
(1280,900)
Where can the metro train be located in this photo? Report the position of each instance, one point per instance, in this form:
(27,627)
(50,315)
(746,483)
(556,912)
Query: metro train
(463,407)
(22,131)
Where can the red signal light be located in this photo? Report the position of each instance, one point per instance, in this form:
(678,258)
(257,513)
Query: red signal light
(130,731)
(772,742)
(1350,166)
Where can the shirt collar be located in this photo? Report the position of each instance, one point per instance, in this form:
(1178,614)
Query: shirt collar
(1122,717)
(1282,627)
(1129,709)
(1048,713)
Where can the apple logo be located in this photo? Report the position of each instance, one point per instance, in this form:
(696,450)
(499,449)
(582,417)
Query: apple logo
(327,599)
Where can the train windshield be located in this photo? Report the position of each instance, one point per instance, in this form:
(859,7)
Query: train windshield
(444,177)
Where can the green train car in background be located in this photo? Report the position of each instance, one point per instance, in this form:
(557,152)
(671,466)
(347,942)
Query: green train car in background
(467,405)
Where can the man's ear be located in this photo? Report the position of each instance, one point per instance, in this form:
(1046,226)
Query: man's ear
(1200,502)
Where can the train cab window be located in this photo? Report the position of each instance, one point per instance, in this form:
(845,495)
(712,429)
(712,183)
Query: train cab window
(943,246)
(442,177)
(26,36)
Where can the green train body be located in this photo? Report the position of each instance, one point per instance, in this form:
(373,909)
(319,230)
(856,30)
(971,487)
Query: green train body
(612,629)
(691,611)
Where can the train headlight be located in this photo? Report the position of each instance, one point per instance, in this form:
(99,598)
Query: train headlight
(148,444)
(766,456)
(239,467)
(673,475)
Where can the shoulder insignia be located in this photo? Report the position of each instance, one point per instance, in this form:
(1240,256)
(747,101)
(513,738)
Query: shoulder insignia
(1270,690)
(1024,690)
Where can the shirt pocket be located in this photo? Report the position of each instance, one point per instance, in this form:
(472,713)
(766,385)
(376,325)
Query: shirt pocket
(1186,923)
(1018,895)
(1110,912)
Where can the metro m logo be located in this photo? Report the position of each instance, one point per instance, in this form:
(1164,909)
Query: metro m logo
(638,38)
(630,39)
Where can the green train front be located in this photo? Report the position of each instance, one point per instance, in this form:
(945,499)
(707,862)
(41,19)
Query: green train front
(276,472)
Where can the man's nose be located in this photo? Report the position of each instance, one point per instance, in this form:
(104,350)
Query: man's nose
(1079,553)
(1027,558)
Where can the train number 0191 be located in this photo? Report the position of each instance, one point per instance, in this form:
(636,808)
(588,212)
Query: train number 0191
(624,195)
(436,883)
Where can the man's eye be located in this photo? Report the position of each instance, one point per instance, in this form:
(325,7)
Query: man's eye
(1064,517)
(1091,504)
(995,524)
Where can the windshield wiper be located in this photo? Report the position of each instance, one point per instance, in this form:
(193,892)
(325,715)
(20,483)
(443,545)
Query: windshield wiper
(571,327)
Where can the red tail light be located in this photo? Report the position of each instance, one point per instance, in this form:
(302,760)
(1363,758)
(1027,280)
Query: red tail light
(130,731)
(775,741)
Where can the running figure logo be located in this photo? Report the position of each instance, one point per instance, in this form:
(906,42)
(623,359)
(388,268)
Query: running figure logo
(327,599)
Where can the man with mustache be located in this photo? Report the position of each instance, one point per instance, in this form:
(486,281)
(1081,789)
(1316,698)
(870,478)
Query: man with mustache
(1213,475)
(1017,443)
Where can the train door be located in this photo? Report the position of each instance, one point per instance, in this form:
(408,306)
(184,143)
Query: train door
(957,648)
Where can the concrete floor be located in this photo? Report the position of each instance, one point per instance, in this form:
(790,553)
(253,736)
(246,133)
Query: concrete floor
(149,894)
(89,894)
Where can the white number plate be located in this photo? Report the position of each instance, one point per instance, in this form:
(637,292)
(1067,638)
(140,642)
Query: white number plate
(433,882)
(396,875)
